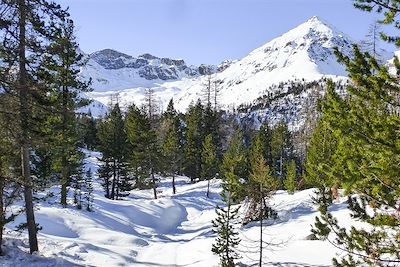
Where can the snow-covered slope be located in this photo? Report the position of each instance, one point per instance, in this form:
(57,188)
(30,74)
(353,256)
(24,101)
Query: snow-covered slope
(112,71)
(306,52)
(174,230)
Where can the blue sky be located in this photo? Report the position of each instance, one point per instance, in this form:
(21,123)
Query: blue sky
(203,31)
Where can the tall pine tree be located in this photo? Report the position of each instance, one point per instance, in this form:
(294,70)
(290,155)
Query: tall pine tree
(144,148)
(25,28)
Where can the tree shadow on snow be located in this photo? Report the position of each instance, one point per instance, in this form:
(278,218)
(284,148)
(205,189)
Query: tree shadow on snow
(285,264)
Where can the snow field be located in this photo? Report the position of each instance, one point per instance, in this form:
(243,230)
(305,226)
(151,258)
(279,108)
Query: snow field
(174,230)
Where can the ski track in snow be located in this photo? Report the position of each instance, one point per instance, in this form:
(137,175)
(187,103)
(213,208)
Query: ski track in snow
(174,230)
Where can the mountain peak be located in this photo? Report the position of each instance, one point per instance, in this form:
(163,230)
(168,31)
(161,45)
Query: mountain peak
(315,26)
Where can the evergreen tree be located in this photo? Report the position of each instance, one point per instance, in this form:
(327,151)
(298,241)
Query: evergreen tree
(114,147)
(321,151)
(281,149)
(260,182)
(61,67)
(209,157)
(211,125)
(77,184)
(9,186)
(234,168)
(290,182)
(193,141)
(171,148)
(263,187)
(89,129)
(88,194)
(225,225)
(25,29)
(366,125)
(105,174)
(143,141)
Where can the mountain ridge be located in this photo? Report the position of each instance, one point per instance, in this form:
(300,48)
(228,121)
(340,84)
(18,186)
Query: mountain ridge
(304,53)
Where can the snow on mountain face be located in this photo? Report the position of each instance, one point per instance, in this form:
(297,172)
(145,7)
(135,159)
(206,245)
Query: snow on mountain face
(112,70)
(304,53)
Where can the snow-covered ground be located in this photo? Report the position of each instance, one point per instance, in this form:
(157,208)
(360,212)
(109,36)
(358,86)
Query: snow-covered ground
(174,230)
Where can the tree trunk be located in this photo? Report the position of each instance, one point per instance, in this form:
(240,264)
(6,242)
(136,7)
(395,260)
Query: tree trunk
(173,184)
(2,215)
(208,187)
(65,177)
(114,179)
(228,206)
(64,184)
(154,183)
(24,119)
(117,184)
(261,224)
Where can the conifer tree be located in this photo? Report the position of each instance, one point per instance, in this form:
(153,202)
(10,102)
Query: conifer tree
(9,187)
(61,66)
(209,157)
(366,125)
(171,150)
(144,149)
(77,184)
(321,151)
(234,167)
(25,29)
(114,147)
(264,186)
(225,225)
(88,194)
(89,129)
(281,149)
(256,187)
(193,141)
(290,181)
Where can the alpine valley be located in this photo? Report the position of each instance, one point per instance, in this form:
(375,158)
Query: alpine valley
(280,80)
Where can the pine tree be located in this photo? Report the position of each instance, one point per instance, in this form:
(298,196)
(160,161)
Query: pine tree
(209,157)
(225,225)
(322,148)
(77,184)
(89,129)
(144,149)
(366,125)
(25,28)
(227,241)
(9,186)
(171,150)
(61,67)
(211,125)
(193,141)
(290,181)
(260,181)
(234,168)
(263,187)
(88,194)
(281,149)
(114,147)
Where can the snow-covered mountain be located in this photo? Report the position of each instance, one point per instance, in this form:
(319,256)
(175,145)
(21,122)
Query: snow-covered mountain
(111,70)
(304,53)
